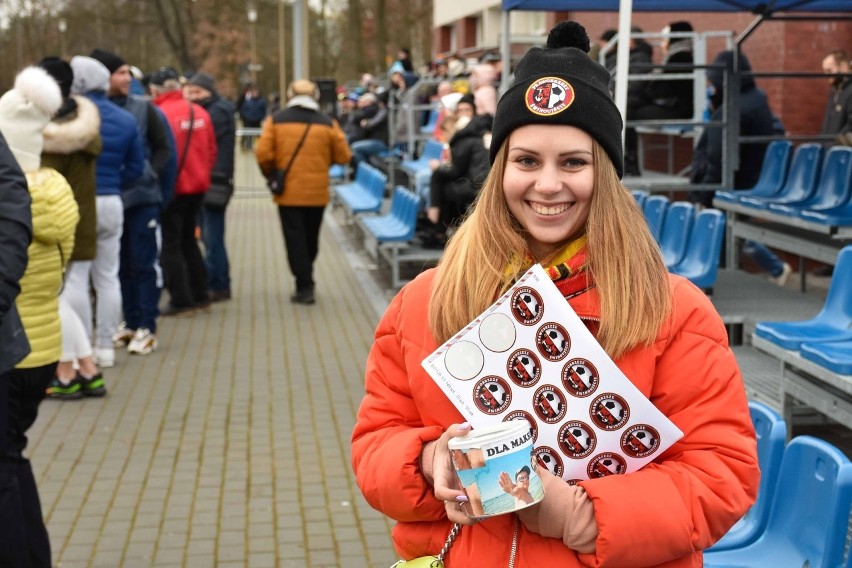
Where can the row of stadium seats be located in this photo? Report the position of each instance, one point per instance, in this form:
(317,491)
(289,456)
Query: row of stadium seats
(690,244)
(827,338)
(805,485)
(800,184)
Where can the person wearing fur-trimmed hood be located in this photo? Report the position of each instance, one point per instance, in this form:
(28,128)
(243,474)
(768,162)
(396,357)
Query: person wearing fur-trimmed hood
(25,110)
(72,144)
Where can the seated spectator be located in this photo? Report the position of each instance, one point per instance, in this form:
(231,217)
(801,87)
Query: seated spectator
(349,118)
(756,119)
(455,183)
(482,86)
(371,116)
(662,99)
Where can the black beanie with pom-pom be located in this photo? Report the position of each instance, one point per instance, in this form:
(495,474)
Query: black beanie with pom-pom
(560,84)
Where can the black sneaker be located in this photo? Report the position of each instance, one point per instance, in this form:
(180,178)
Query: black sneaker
(172,310)
(92,387)
(303,297)
(60,391)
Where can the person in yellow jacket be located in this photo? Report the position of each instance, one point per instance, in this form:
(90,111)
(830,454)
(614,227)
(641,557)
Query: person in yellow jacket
(25,110)
(303,201)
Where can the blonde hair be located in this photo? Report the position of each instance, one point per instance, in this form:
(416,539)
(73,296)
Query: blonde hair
(624,259)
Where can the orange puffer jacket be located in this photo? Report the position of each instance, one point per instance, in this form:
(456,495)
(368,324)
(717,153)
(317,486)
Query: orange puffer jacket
(307,182)
(660,516)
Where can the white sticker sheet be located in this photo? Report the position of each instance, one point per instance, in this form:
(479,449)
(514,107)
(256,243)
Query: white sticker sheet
(529,356)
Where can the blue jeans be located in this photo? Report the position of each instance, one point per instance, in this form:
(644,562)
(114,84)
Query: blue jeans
(363,149)
(213,234)
(139,268)
(764,257)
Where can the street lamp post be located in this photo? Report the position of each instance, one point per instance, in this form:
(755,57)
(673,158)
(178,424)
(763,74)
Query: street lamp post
(252,18)
(63,27)
(282,67)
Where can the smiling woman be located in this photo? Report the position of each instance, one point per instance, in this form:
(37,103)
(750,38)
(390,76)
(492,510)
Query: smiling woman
(548,184)
(554,197)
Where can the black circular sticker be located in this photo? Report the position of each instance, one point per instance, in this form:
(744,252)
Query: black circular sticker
(605,464)
(527,306)
(524,368)
(549,459)
(609,411)
(580,378)
(577,439)
(492,394)
(553,341)
(549,404)
(524,415)
(640,440)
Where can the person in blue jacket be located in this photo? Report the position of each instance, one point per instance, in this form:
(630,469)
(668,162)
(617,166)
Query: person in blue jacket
(120,163)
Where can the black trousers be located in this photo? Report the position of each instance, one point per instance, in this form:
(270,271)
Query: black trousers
(183,265)
(301,228)
(23,536)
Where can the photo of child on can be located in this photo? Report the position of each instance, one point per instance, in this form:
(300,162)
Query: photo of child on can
(494,467)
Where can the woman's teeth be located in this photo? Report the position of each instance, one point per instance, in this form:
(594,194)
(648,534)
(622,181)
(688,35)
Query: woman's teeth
(550,210)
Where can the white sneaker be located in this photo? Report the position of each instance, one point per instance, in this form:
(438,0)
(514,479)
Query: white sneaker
(143,342)
(122,337)
(104,357)
(782,278)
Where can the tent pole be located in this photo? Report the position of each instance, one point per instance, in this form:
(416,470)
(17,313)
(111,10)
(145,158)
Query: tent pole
(505,52)
(625,14)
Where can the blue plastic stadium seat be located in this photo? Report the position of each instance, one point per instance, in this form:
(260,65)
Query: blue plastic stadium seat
(832,323)
(834,185)
(700,264)
(675,233)
(772,175)
(808,516)
(399,223)
(771,433)
(833,355)
(432,121)
(640,195)
(431,151)
(801,181)
(654,210)
(365,193)
(337,172)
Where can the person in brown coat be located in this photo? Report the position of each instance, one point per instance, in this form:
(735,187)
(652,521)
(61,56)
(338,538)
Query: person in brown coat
(306,194)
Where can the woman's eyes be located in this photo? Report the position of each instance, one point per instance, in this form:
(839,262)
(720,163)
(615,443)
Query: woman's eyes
(570,163)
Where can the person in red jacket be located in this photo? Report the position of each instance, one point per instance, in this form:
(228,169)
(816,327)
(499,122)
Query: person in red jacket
(183,265)
(554,197)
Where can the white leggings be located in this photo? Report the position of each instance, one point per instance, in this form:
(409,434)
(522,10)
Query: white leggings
(75,339)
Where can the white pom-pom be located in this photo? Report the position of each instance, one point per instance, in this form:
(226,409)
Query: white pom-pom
(38,87)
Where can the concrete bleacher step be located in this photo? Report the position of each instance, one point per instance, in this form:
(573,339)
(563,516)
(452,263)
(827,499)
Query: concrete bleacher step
(743,299)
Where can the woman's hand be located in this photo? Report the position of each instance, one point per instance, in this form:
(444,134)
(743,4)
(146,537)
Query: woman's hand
(442,475)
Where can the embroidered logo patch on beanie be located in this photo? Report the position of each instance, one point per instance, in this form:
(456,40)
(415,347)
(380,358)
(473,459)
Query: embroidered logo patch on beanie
(549,96)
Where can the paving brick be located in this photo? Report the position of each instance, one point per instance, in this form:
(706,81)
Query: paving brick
(206,452)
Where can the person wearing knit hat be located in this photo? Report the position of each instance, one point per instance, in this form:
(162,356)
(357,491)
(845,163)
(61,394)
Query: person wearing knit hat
(120,164)
(201,89)
(25,110)
(553,198)
(139,257)
(663,99)
(72,144)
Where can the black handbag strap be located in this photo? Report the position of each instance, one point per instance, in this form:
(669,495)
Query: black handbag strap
(188,138)
(299,147)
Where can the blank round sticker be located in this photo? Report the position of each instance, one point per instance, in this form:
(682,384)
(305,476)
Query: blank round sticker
(497,332)
(464,360)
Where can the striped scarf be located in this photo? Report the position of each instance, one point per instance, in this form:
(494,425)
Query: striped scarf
(568,268)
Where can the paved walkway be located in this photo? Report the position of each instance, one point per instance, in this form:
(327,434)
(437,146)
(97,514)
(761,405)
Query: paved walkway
(228,447)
